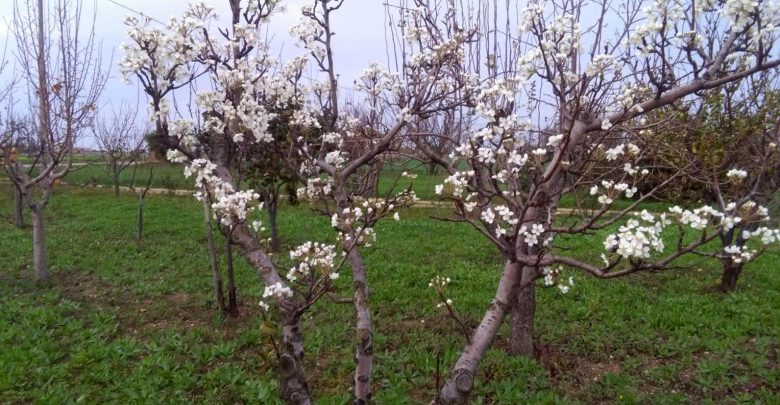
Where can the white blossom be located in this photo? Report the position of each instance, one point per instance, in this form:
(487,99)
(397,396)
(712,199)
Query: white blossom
(736,175)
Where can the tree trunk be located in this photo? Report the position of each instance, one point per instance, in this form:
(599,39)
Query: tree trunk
(39,245)
(139,220)
(433,168)
(18,207)
(293,387)
(522,310)
(376,174)
(273,202)
(458,387)
(364,352)
(364,355)
(116,184)
(213,257)
(731,271)
(231,283)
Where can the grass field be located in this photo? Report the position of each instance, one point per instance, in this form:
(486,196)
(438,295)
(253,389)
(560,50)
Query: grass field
(134,322)
(166,175)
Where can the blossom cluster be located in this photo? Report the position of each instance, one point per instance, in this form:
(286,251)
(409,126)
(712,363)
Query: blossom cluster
(277,291)
(552,277)
(610,190)
(233,208)
(439,283)
(639,237)
(313,258)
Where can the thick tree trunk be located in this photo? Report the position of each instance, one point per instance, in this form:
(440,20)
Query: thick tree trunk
(18,208)
(364,355)
(231,282)
(139,220)
(213,257)
(293,387)
(458,387)
(39,245)
(521,324)
(731,271)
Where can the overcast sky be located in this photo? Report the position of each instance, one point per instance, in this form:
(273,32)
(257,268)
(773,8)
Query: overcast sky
(359,39)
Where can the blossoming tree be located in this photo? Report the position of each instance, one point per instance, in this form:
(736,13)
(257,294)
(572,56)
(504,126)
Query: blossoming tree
(593,91)
(243,86)
(730,138)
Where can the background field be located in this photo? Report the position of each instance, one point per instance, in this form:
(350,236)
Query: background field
(170,177)
(134,321)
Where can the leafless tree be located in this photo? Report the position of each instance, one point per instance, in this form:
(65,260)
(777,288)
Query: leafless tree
(10,139)
(61,65)
(440,135)
(121,141)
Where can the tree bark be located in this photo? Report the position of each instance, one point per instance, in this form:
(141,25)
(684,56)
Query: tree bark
(18,208)
(731,271)
(364,352)
(231,283)
(39,245)
(213,257)
(293,387)
(273,203)
(521,324)
(458,387)
(116,184)
(364,355)
(375,171)
(433,168)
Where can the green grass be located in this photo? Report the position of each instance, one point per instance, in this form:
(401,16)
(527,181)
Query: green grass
(168,176)
(126,321)
(81,157)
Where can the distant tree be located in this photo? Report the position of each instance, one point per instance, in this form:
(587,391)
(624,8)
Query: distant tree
(726,147)
(439,135)
(120,141)
(369,123)
(271,169)
(140,193)
(12,140)
(156,146)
